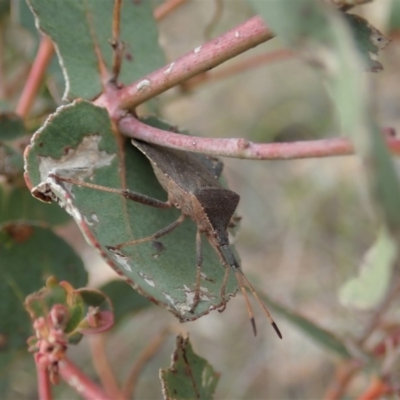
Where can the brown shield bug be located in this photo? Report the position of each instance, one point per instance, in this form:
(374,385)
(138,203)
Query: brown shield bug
(191,182)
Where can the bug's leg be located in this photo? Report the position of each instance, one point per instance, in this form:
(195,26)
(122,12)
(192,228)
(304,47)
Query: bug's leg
(226,276)
(128,194)
(154,236)
(223,287)
(199,263)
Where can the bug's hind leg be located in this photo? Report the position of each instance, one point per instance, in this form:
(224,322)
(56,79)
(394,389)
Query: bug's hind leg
(199,264)
(128,194)
(223,288)
(199,277)
(154,236)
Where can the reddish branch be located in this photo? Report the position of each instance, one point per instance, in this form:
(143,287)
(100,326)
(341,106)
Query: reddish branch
(243,37)
(80,382)
(242,148)
(102,366)
(145,356)
(166,8)
(115,43)
(36,74)
(377,390)
(44,386)
(343,376)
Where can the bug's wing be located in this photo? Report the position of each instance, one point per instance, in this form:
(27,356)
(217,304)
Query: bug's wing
(189,171)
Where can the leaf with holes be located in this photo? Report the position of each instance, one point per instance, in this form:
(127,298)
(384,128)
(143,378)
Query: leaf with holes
(78,142)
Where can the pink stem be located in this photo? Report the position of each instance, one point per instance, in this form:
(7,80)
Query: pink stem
(36,74)
(80,382)
(44,386)
(243,37)
(242,148)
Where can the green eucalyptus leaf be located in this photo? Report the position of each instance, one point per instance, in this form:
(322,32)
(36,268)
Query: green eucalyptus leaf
(78,142)
(29,254)
(6,363)
(95,298)
(11,126)
(312,27)
(10,361)
(11,162)
(189,376)
(54,77)
(384,179)
(368,289)
(368,40)
(340,51)
(24,17)
(4,7)
(17,203)
(394,20)
(81,32)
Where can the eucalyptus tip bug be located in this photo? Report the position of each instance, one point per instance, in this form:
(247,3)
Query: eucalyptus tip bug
(191,182)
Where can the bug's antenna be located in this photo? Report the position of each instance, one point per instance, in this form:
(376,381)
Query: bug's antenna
(254,293)
(228,258)
(248,305)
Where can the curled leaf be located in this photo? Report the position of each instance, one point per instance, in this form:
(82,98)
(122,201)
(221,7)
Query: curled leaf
(368,289)
(189,376)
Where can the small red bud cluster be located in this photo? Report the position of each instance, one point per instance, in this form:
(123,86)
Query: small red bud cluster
(50,342)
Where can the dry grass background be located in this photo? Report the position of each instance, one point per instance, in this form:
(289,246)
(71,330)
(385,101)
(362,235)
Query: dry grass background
(305,224)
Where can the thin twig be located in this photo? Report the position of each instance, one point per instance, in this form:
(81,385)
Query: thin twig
(44,385)
(116,43)
(102,366)
(36,74)
(347,372)
(80,382)
(377,316)
(166,8)
(376,390)
(242,148)
(242,38)
(145,356)
(343,376)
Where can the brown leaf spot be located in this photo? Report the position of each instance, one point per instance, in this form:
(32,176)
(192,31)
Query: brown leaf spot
(19,233)
(3,341)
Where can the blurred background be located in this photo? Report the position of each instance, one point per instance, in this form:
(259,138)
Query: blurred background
(306,224)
